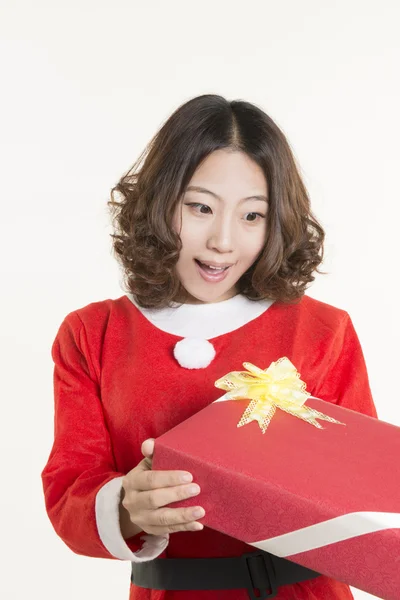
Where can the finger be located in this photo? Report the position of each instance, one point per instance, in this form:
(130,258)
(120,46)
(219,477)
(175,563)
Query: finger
(145,479)
(143,466)
(193,526)
(174,517)
(154,499)
(148,448)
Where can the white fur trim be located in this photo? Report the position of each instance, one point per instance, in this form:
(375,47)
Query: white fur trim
(107,521)
(194,353)
(206,320)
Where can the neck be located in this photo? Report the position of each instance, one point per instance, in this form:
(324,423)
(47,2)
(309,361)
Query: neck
(184,297)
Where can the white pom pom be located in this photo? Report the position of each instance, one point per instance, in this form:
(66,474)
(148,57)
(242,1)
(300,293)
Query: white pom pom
(194,353)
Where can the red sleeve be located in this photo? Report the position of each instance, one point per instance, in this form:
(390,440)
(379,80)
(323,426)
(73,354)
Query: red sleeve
(80,481)
(346,381)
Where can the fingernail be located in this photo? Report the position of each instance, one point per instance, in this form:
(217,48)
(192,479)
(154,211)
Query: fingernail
(194,489)
(186,478)
(198,512)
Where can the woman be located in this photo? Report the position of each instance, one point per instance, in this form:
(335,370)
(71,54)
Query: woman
(218,243)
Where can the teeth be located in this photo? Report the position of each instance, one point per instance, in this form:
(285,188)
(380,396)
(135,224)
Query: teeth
(214,268)
(217,269)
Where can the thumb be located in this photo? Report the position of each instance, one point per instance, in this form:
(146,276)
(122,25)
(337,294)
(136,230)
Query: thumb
(148,448)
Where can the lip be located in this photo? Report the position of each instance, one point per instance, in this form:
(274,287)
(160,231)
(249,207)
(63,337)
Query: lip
(215,264)
(212,278)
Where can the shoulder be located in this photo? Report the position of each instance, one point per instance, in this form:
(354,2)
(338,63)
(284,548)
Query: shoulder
(84,331)
(322,314)
(93,321)
(96,313)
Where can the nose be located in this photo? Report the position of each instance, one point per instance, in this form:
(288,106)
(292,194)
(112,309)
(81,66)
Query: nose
(221,236)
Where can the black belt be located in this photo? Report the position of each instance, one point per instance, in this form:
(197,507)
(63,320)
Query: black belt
(255,570)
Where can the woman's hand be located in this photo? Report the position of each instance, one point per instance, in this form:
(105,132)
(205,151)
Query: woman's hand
(146,494)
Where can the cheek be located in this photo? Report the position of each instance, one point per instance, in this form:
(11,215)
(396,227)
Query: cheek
(190,234)
(188,246)
(253,245)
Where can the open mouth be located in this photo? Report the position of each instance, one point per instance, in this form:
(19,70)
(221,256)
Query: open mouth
(212,273)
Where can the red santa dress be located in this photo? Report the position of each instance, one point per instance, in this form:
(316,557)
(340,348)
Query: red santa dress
(124,374)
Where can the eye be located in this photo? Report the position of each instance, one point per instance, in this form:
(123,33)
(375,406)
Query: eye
(197,205)
(254,216)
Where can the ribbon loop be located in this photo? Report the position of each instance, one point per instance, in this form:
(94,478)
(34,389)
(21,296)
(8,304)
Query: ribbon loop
(278,386)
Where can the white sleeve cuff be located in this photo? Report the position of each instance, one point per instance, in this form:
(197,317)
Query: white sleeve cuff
(108,527)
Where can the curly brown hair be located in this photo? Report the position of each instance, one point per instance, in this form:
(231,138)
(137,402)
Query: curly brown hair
(144,240)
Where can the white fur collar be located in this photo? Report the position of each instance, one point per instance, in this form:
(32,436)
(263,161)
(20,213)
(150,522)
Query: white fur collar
(205,321)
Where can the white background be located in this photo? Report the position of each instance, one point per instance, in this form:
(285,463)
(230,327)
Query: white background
(85,84)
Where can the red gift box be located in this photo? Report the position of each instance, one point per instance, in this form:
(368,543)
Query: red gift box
(327,499)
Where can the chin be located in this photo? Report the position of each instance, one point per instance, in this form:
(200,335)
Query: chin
(210,297)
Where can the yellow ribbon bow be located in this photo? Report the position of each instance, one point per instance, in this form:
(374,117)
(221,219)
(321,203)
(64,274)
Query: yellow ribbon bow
(279,386)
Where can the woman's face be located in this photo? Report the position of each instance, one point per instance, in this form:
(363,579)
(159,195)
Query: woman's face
(222,223)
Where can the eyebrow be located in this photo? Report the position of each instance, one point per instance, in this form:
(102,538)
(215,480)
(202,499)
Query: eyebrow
(201,190)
